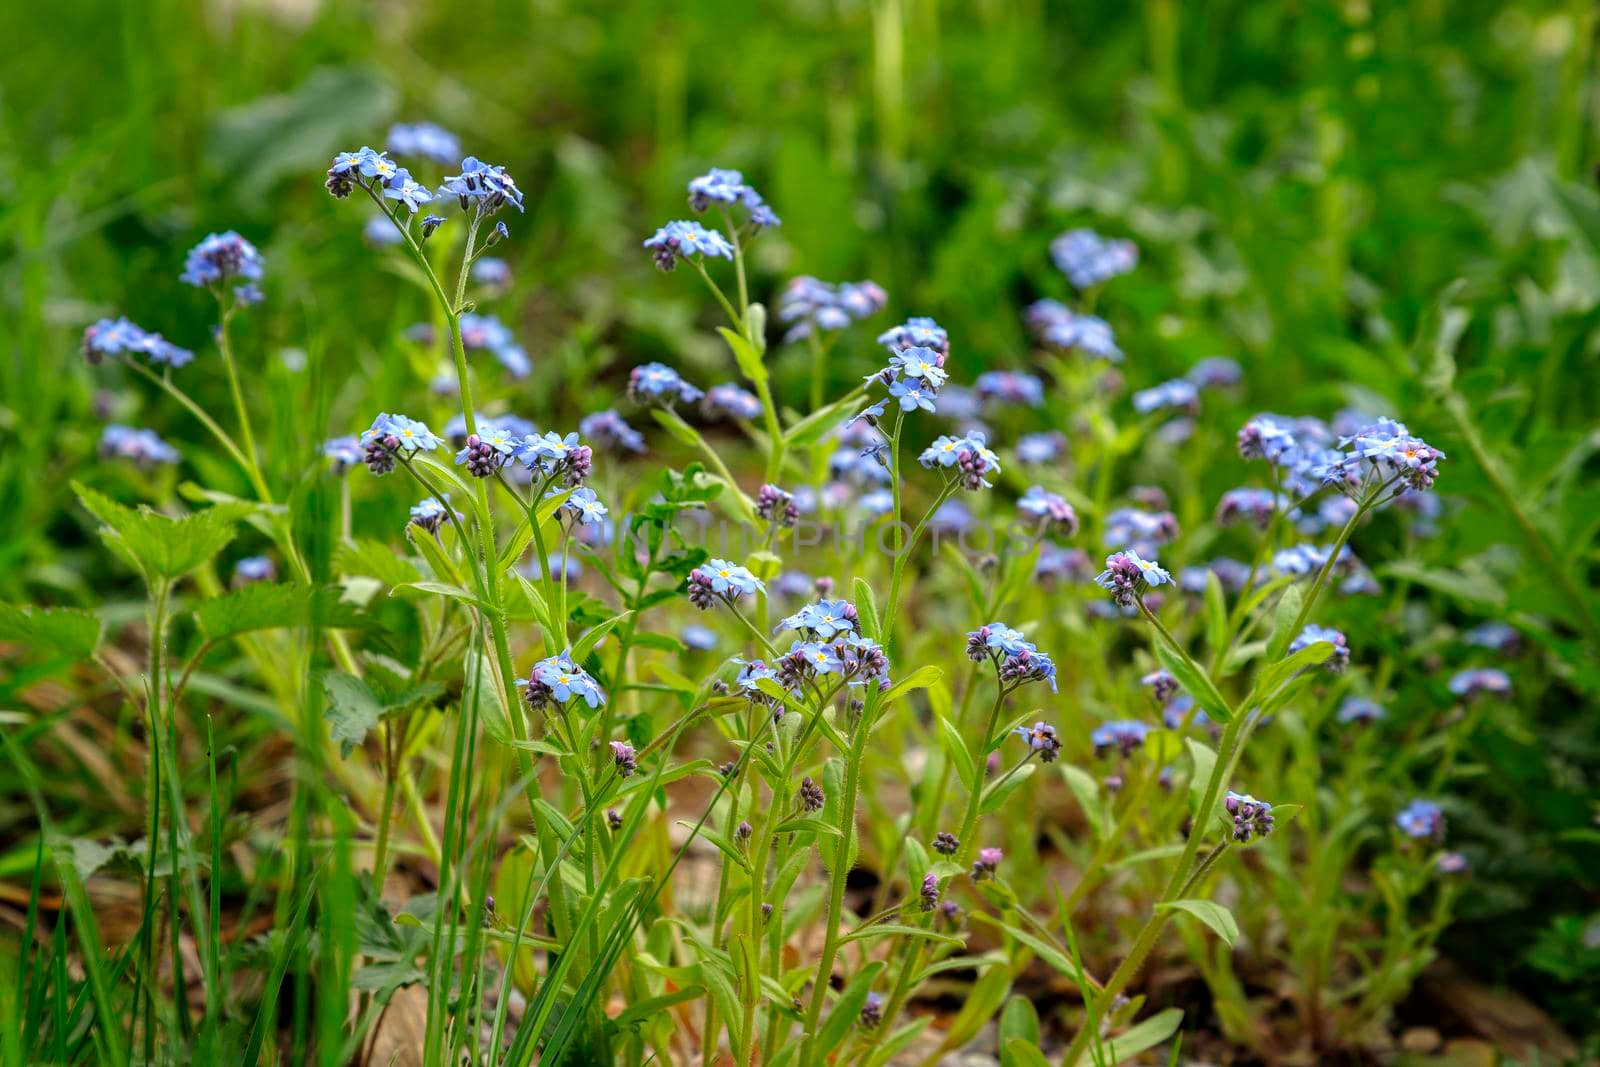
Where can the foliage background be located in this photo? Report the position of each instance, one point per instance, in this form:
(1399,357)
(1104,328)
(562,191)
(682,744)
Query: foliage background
(1306,178)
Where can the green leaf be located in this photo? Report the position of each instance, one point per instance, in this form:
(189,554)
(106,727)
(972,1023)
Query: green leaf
(995,795)
(810,429)
(749,360)
(59,631)
(1283,670)
(1471,585)
(591,640)
(1162,746)
(867,607)
(955,749)
(1216,613)
(353,710)
(920,678)
(1146,1035)
(1195,680)
(1087,792)
(877,930)
(1204,761)
(454,592)
(1283,616)
(1019,1022)
(274,606)
(1211,913)
(1020,1052)
(374,559)
(160,546)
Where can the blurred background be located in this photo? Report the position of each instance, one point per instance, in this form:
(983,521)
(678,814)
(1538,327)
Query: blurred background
(1306,179)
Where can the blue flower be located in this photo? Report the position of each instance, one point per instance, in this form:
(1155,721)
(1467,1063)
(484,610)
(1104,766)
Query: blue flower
(913,395)
(920,362)
(1041,739)
(1048,507)
(870,414)
(718,185)
(112,337)
(730,401)
(408,191)
(1215,372)
(1127,573)
(824,619)
(1421,819)
(560,680)
(819,657)
(344,452)
(220,259)
(483,332)
(609,429)
(423,140)
(1059,327)
(1178,394)
(659,384)
(720,578)
(380,232)
(1087,259)
(685,240)
(1473,683)
(143,448)
(430,514)
(1123,734)
(996,637)
(1142,530)
(482,188)
(916,332)
(1034,448)
(1499,636)
(254,569)
(808,304)
(1010,387)
(969,454)
(397,433)
(1360,709)
(584,506)
(492,273)
(1314,634)
(699,638)
(1305,560)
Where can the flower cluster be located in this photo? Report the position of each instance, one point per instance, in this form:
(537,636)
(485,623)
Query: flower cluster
(1163,686)
(930,892)
(1312,634)
(1041,739)
(968,454)
(1125,735)
(987,864)
(722,186)
(1421,820)
(1387,445)
(659,385)
(430,514)
(110,337)
(809,305)
(730,401)
(855,659)
(222,258)
(1010,387)
(718,579)
(423,140)
(481,188)
(559,680)
(1048,508)
(1498,636)
(395,435)
(380,176)
(1251,817)
(583,507)
(775,505)
(1127,575)
(1359,709)
(562,460)
(144,448)
(1058,326)
(1256,506)
(1087,259)
(1489,681)
(1016,659)
(1216,372)
(1143,531)
(1043,447)
(945,844)
(487,451)
(624,756)
(811,795)
(1179,394)
(343,452)
(486,333)
(686,240)
(609,430)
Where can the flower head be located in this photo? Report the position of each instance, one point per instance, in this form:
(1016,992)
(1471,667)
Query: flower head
(254,569)
(1251,817)
(809,305)
(423,140)
(1087,259)
(1314,634)
(969,455)
(686,240)
(1010,387)
(1360,709)
(559,680)
(408,191)
(719,579)
(916,332)
(482,188)
(584,507)
(343,452)
(1041,739)
(609,430)
(1179,394)
(143,448)
(1215,372)
(1485,680)
(1421,820)
(1036,448)
(730,401)
(1050,509)
(1125,735)
(110,337)
(1127,574)
(430,514)
(222,258)
(987,864)
(659,385)
(1059,327)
